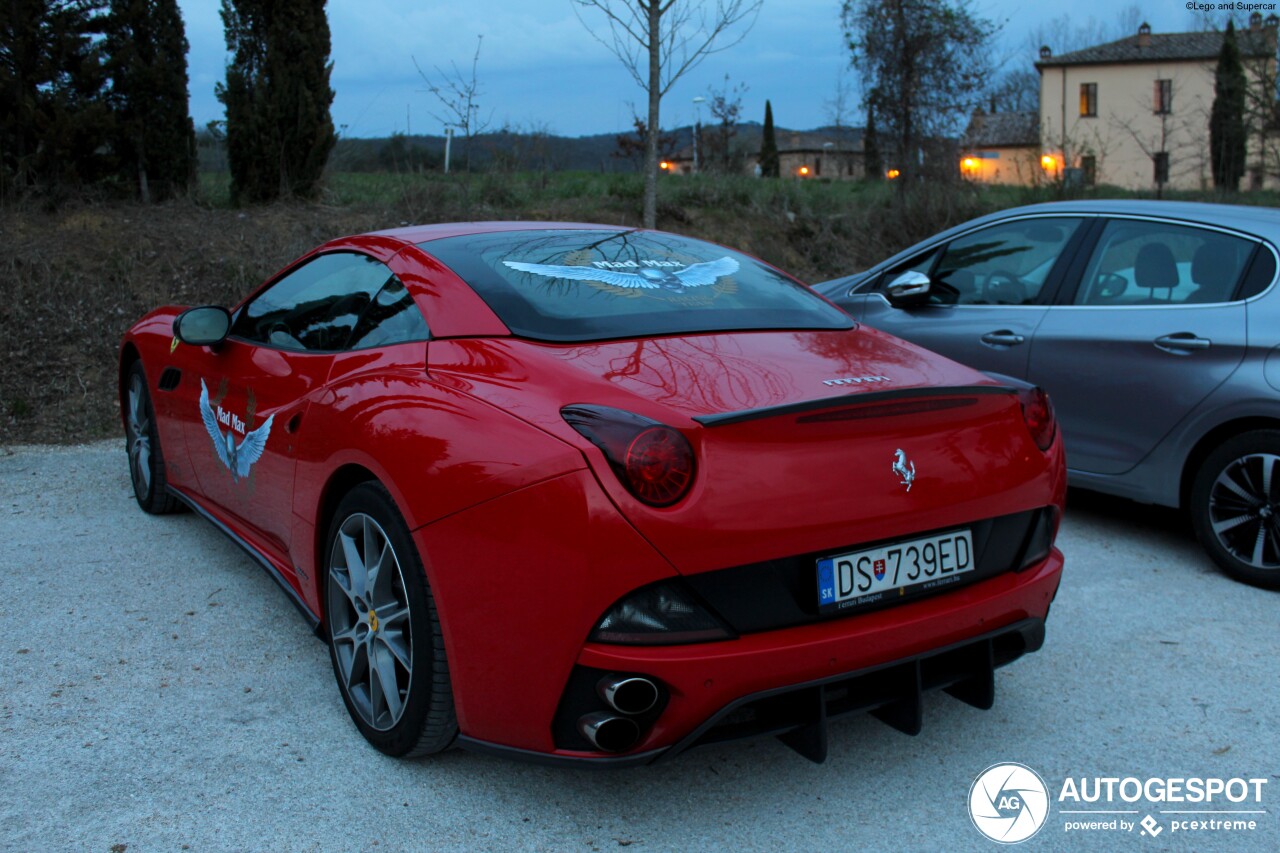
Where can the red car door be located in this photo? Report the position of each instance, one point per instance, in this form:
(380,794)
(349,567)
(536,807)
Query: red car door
(244,406)
(245,402)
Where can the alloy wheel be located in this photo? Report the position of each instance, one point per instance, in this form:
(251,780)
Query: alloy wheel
(1244,510)
(370,625)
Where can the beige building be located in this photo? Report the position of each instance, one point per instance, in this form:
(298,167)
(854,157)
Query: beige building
(1135,112)
(1002,148)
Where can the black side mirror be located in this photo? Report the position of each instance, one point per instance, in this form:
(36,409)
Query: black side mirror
(909,290)
(205,326)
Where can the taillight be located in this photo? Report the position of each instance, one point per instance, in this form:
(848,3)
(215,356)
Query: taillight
(654,461)
(1037,412)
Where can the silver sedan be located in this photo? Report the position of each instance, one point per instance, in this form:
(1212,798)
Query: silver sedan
(1155,328)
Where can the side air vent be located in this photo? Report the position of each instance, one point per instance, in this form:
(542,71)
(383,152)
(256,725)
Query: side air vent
(170,378)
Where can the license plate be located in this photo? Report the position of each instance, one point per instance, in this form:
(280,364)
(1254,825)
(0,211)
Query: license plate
(873,574)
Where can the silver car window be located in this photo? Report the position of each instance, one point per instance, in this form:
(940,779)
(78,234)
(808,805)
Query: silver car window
(1006,264)
(1138,262)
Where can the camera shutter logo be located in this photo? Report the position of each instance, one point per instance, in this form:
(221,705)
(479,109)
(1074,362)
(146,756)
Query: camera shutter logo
(1008,802)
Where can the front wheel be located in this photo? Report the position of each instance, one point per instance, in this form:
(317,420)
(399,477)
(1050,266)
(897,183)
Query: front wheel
(146,461)
(383,630)
(1235,507)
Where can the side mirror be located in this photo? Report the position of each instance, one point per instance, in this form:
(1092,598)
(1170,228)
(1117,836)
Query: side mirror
(909,290)
(205,326)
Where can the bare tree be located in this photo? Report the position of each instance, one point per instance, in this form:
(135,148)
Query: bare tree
(726,108)
(658,41)
(459,97)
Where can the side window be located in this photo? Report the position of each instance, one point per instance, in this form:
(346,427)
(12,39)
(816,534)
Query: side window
(316,306)
(1006,264)
(1158,263)
(391,319)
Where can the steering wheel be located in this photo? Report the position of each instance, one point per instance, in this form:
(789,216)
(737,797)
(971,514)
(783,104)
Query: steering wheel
(1003,288)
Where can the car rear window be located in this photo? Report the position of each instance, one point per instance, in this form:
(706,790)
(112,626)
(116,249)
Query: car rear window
(584,285)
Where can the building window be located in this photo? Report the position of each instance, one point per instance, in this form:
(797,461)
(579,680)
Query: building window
(1089,168)
(1163,97)
(817,166)
(1088,99)
(1161,160)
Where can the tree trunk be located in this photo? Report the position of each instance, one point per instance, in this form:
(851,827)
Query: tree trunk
(651,138)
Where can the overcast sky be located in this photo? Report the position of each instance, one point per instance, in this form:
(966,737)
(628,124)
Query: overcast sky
(540,68)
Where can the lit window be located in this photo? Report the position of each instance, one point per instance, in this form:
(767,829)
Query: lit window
(1089,99)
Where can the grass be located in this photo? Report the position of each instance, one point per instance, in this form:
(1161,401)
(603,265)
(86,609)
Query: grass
(73,278)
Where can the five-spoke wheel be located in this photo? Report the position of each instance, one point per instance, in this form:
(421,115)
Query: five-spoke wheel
(146,462)
(384,634)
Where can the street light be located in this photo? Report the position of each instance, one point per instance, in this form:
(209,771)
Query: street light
(697,129)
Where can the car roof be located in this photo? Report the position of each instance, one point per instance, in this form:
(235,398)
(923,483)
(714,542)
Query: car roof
(425,233)
(1260,221)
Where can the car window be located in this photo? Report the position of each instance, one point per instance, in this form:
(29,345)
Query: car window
(1159,263)
(1005,264)
(392,318)
(314,307)
(584,285)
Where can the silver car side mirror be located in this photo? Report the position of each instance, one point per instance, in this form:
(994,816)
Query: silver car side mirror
(909,289)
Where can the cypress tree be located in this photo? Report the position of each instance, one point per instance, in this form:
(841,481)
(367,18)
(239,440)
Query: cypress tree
(277,96)
(769,166)
(1226,117)
(54,119)
(154,136)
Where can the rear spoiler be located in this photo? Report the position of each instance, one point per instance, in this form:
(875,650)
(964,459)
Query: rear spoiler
(857,399)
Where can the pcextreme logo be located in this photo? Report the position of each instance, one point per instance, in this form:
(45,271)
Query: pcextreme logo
(1009,803)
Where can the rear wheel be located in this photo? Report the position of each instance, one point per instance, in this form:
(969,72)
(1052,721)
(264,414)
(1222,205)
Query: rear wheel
(1235,507)
(146,461)
(383,630)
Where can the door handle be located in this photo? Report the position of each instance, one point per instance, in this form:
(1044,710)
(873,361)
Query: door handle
(1179,343)
(1002,338)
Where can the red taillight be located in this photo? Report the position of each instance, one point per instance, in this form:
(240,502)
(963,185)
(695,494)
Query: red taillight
(1037,412)
(654,461)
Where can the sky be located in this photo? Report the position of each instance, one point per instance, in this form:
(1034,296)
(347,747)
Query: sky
(540,68)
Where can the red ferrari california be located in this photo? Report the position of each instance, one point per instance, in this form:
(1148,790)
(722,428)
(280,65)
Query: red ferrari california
(598,495)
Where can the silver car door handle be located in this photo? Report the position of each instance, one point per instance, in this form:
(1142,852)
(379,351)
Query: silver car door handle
(1004,338)
(1181,341)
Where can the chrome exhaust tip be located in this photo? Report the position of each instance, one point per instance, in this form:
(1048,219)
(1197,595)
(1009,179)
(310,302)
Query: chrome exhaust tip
(628,694)
(609,733)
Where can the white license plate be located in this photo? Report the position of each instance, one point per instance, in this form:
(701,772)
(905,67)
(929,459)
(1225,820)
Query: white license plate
(864,577)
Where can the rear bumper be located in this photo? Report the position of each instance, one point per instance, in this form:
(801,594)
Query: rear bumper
(789,682)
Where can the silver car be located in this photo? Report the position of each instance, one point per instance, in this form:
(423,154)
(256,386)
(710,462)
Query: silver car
(1155,328)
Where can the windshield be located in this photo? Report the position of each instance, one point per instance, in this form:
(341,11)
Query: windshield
(600,285)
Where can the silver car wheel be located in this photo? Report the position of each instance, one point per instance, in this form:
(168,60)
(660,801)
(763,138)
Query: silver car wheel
(372,637)
(1244,510)
(139,426)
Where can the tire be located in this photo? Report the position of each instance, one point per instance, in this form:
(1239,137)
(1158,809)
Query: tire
(390,620)
(1235,507)
(142,443)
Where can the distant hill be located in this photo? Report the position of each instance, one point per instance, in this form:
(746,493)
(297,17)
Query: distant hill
(502,149)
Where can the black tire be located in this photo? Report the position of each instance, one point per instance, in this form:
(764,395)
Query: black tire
(1235,507)
(142,443)
(368,639)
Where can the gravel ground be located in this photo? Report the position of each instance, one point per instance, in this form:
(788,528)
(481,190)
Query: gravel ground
(160,693)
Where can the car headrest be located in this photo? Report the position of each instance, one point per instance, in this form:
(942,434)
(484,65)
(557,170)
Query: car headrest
(1155,267)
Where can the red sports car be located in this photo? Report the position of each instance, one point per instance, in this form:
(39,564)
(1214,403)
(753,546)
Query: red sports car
(597,495)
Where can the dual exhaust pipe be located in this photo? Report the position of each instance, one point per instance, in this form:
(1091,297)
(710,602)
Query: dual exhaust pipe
(628,696)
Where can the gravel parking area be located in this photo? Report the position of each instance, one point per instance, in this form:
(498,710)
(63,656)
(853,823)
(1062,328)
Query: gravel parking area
(160,693)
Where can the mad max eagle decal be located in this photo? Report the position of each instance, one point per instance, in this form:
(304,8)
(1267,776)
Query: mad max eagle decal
(238,458)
